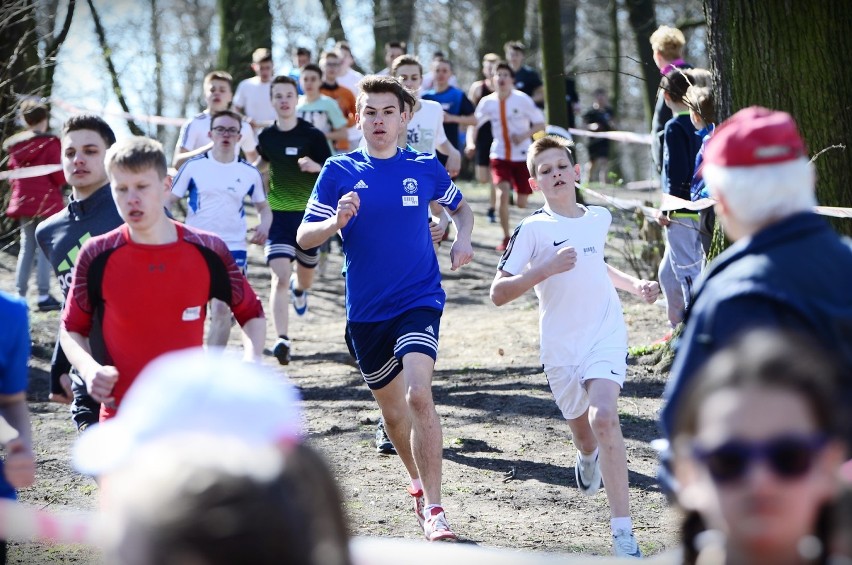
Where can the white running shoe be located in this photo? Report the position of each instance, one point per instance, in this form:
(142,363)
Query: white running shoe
(300,301)
(625,545)
(588,475)
(436,528)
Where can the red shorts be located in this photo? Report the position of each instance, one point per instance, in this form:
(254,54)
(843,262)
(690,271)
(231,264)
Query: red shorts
(513,172)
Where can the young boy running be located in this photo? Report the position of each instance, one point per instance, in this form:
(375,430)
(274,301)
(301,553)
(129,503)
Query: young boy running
(318,109)
(378,198)
(146,283)
(559,251)
(194,137)
(293,151)
(91,211)
(514,118)
(217,184)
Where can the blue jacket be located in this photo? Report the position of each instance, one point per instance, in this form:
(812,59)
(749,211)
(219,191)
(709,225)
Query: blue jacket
(795,274)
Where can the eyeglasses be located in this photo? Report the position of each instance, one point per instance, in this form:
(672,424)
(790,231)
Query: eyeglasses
(789,457)
(224,131)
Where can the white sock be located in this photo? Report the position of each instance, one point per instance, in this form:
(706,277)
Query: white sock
(43,297)
(590,457)
(624,523)
(416,484)
(428,510)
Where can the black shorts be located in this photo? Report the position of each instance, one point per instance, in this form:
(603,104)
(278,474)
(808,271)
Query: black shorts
(484,137)
(282,240)
(380,346)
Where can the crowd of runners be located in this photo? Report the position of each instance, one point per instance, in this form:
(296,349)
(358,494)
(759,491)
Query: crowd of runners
(325,154)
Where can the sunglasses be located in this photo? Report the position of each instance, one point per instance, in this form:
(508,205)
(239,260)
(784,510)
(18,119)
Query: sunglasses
(789,457)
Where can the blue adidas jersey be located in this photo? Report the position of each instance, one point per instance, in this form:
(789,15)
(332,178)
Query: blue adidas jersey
(390,262)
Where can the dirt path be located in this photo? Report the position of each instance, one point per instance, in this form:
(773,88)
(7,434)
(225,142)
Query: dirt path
(508,458)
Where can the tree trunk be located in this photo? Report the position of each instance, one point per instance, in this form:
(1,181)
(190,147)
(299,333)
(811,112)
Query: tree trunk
(502,21)
(159,94)
(244,25)
(792,57)
(335,25)
(393,20)
(644,22)
(552,63)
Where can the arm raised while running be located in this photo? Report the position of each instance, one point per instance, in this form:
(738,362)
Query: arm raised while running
(506,287)
(314,234)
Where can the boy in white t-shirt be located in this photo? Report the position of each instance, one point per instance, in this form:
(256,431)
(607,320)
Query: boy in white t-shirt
(559,251)
(252,98)
(216,184)
(194,137)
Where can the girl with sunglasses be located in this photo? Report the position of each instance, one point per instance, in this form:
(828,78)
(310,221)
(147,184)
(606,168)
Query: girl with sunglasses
(757,452)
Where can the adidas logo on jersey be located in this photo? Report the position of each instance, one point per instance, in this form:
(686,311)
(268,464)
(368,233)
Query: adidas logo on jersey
(360,184)
(430,331)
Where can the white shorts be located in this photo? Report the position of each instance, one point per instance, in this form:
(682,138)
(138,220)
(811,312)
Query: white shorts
(568,382)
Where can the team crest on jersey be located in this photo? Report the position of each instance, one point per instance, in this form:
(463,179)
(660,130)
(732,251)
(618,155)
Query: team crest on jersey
(410,185)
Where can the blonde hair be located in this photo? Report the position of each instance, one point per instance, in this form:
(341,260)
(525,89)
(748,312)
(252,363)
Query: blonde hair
(137,154)
(542,144)
(668,42)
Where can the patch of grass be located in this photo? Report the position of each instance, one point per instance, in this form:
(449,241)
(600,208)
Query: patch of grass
(640,350)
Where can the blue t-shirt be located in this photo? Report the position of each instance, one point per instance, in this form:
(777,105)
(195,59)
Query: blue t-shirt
(14,353)
(455,102)
(390,263)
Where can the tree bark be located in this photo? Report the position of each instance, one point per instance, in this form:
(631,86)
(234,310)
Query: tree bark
(244,25)
(552,63)
(393,20)
(502,21)
(791,57)
(335,25)
(159,94)
(643,21)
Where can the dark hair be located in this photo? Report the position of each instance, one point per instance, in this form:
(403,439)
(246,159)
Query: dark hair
(225,113)
(283,79)
(396,44)
(89,122)
(506,67)
(406,60)
(313,67)
(34,112)
(676,82)
(766,359)
(772,359)
(303,51)
(372,84)
(289,513)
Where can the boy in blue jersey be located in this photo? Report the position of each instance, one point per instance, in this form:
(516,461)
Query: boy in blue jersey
(18,470)
(377,197)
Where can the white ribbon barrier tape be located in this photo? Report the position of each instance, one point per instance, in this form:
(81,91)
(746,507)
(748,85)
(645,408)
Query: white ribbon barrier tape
(23,523)
(625,136)
(156,120)
(29,172)
(669,203)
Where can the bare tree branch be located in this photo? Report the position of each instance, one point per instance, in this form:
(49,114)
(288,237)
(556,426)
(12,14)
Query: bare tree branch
(56,42)
(116,86)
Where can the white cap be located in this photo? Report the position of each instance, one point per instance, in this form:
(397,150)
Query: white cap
(193,392)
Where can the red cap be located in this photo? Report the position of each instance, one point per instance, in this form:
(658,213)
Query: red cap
(755,136)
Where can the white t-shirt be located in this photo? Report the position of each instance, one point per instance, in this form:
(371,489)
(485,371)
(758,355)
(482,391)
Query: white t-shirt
(194,134)
(216,192)
(520,111)
(350,80)
(253,96)
(579,310)
(426,127)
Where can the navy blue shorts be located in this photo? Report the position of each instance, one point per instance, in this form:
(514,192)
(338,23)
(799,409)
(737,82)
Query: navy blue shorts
(282,240)
(380,346)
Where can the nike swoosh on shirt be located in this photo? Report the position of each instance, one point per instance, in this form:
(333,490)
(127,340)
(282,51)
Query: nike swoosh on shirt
(558,243)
